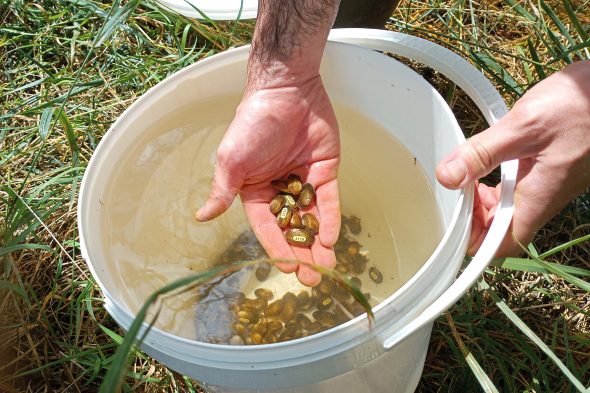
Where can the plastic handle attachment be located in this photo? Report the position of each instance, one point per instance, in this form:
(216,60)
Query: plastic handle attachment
(489,101)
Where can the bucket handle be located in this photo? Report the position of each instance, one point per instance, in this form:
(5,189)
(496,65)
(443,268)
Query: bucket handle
(493,107)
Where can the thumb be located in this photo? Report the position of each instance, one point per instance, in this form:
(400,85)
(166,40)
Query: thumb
(223,192)
(477,157)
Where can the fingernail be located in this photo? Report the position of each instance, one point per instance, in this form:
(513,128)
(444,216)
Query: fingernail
(199,215)
(455,171)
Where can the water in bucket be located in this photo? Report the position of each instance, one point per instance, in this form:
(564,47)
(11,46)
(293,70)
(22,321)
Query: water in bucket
(152,238)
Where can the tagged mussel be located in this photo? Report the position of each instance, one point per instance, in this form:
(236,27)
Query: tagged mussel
(299,237)
(325,303)
(290,201)
(284,216)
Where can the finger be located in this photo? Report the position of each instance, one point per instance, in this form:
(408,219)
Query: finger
(509,248)
(521,229)
(327,209)
(488,196)
(224,189)
(479,155)
(269,234)
(484,211)
(328,205)
(479,211)
(323,175)
(477,219)
(478,233)
(321,256)
(306,275)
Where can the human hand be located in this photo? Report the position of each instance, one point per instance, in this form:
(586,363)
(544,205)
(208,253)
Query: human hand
(548,131)
(278,130)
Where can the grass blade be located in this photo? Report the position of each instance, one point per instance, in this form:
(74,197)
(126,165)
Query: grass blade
(563,56)
(65,359)
(532,266)
(70,136)
(114,336)
(115,20)
(26,246)
(536,61)
(564,246)
(575,21)
(520,10)
(45,122)
(558,48)
(499,73)
(486,383)
(10,286)
(549,11)
(527,71)
(566,276)
(522,326)
(557,270)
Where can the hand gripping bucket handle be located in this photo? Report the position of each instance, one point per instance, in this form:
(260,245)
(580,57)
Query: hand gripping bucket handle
(491,104)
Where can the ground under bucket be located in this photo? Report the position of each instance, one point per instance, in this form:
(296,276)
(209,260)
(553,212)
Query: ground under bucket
(351,357)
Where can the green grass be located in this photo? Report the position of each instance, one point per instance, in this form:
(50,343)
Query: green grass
(72,66)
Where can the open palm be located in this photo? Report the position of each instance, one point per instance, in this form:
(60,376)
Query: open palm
(278,131)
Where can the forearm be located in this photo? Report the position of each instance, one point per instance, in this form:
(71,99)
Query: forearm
(289,41)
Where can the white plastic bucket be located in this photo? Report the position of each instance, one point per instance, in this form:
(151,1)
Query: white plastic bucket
(215,10)
(348,358)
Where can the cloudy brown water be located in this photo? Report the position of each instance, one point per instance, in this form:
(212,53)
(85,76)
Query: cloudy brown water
(152,237)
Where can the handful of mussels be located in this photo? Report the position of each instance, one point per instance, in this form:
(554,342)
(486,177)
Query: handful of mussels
(293,195)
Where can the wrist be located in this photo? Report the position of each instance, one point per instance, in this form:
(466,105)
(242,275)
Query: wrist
(295,71)
(289,40)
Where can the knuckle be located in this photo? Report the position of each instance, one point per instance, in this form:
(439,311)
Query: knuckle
(227,158)
(534,115)
(481,157)
(224,152)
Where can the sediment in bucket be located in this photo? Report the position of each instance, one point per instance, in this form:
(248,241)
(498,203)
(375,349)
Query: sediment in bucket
(349,357)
